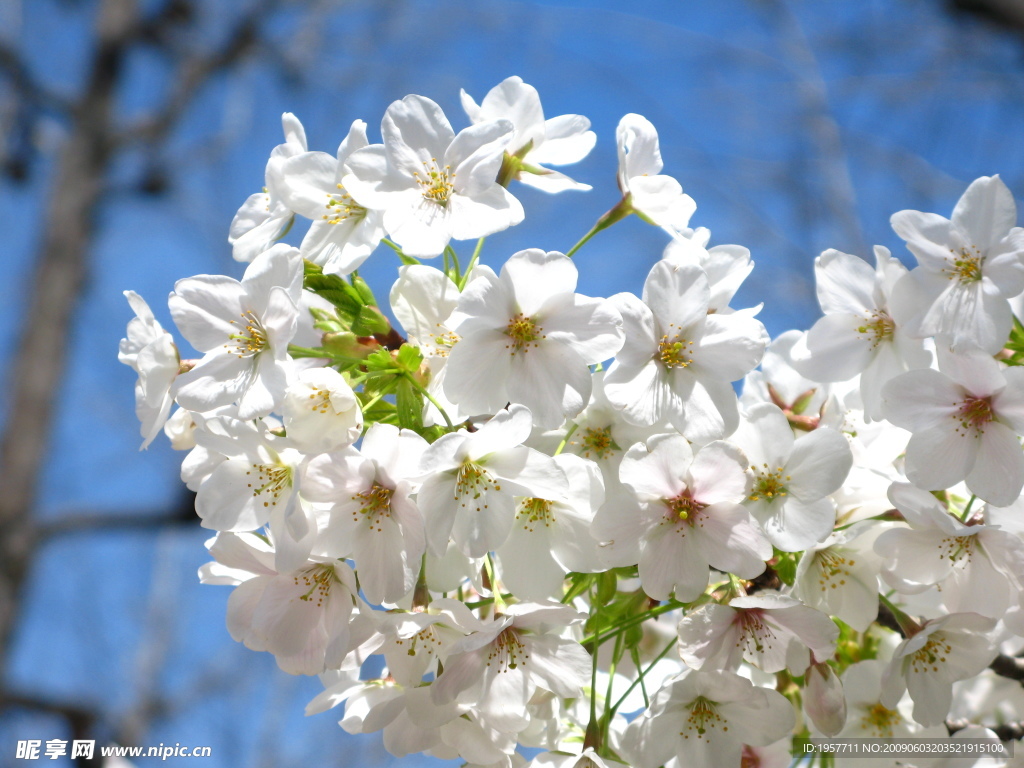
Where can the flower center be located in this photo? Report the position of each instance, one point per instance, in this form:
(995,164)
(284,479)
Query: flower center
(522,332)
(374,504)
(974,413)
(321,400)
(757,636)
(769,484)
(966,264)
(535,512)
(927,659)
(507,651)
(436,183)
(703,716)
(340,207)
(832,568)
(444,340)
(472,482)
(682,507)
(957,548)
(675,352)
(878,325)
(423,639)
(880,721)
(318,580)
(598,442)
(272,479)
(254,338)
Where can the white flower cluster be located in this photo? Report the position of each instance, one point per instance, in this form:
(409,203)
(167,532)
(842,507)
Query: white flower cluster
(550,513)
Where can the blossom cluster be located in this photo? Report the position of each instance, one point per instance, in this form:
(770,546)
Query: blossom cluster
(551,514)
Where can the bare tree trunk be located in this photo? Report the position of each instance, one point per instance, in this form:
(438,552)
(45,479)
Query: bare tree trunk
(59,279)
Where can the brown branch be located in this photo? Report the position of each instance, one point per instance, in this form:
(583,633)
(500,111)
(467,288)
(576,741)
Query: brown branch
(29,90)
(1004,732)
(81,721)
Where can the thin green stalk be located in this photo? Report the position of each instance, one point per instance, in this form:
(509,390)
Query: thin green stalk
(565,440)
(398,250)
(618,212)
(640,618)
(472,263)
(449,252)
(967,510)
(423,391)
(648,668)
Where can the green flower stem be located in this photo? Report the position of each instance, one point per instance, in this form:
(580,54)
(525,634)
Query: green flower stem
(565,440)
(643,674)
(423,391)
(967,510)
(907,624)
(621,210)
(640,618)
(398,250)
(464,279)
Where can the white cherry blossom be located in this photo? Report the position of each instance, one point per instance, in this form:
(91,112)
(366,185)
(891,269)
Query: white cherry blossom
(321,413)
(527,337)
(965,419)
(656,198)
(432,184)
(535,141)
(243,329)
(264,217)
(471,480)
(343,233)
(151,352)
(677,360)
(968,266)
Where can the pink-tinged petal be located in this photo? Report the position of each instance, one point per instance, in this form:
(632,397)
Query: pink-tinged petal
(279,268)
(420,225)
(819,464)
(707,637)
(242,604)
(638,324)
(824,699)
(386,568)
(475,156)
(921,509)
(793,526)
(719,474)
(638,392)
(436,502)
(560,666)
(226,502)
(969,317)
(265,389)
(217,380)
(552,381)
(309,183)
(505,431)
(940,456)
(928,235)
(483,524)
(204,306)
(678,296)
(767,436)
(998,473)
(536,275)
(814,629)
(672,558)
(979,374)
(986,212)
(639,154)
(414,131)
(1008,405)
(921,399)
(702,409)
(657,470)
(478,371)
(845,283)
(932,696)
(484,213)
(592,327)
(731,541)
(567,140)
(526,563)
(837,350)
(527,472)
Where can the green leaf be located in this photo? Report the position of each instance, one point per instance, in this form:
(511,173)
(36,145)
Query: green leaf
(785,567)
(370,321)
(380,360)
(607,584)
(335,290)
(363,290)
(410,405)
(409,358)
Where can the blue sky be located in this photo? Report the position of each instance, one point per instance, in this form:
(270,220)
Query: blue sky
(795,126)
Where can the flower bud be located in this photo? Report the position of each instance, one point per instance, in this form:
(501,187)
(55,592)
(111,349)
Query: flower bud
(824,699)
